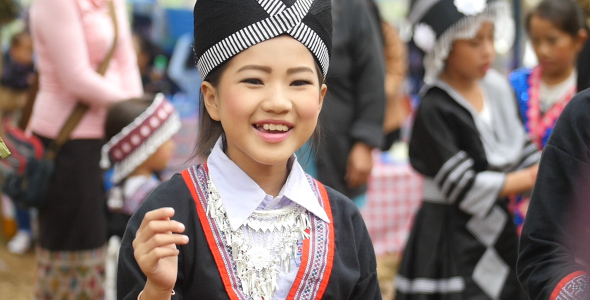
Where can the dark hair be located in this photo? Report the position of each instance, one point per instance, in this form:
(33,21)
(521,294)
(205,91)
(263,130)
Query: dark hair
(124,112)
(564,14)
(210,130)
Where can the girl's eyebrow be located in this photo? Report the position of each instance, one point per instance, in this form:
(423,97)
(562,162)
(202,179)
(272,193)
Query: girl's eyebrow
(299,70)
(255,67)
(269,70)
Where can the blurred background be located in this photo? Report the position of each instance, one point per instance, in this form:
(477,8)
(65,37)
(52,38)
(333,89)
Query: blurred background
(163,37)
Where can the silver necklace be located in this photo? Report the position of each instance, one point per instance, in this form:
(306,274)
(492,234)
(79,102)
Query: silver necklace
(263,246)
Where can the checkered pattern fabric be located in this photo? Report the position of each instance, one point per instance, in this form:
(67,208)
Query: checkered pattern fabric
(395,193)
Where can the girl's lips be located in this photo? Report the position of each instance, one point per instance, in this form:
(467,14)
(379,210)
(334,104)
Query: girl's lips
(272,137)
(273,131)
(544,63)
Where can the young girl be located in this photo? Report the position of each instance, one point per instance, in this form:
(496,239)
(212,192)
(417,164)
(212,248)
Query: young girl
(470,146)
(249,223)
(557,32)
(139,133)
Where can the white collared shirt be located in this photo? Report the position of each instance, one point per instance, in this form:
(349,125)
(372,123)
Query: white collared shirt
(241,196)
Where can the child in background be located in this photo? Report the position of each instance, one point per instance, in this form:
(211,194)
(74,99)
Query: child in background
(473,151)
(557,33)
(17,74)
(250,223)
(139,133)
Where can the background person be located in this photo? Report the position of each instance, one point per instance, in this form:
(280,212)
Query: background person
(71,38)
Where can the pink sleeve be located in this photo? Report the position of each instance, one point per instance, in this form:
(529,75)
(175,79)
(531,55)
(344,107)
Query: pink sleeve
(64,40)
(126,54)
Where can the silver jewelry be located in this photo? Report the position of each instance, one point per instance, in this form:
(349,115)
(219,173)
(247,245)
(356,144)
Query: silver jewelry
(263,246)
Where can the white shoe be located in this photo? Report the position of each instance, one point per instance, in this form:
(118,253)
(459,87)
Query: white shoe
(20,243)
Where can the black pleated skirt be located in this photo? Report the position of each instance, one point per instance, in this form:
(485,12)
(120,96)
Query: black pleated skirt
(75,217)
(446,256)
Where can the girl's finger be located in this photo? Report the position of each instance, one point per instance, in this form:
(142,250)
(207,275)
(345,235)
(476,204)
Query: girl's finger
(158,226)
(149,260)
(155,229)
(159,241)
(164,213)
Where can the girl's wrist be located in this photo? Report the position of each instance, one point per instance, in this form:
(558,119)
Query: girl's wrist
(168,297)
(151,292)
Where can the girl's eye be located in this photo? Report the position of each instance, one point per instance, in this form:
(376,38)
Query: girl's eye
(300,82)
(252,81)
(476,41)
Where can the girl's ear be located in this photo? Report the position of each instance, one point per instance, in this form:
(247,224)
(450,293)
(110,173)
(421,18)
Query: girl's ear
(582,37)
(210,100)
(323,91)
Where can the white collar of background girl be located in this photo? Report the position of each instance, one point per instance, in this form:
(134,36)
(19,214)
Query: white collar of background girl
(241,195)
(552,94)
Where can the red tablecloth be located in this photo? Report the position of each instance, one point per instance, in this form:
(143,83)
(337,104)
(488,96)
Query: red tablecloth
(395,193)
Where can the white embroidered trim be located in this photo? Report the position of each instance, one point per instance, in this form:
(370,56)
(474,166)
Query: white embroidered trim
(424,37)
(470,7)
(263,246)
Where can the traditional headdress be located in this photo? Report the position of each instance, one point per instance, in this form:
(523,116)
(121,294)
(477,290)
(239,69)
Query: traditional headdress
(224,28)
(139,140)
(437,23)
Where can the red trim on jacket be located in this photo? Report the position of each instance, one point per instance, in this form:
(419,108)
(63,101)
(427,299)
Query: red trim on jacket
(328,209)
(563,282)
(209,235)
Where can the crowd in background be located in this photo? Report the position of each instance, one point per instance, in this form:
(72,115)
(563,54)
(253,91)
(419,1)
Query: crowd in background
(377,80)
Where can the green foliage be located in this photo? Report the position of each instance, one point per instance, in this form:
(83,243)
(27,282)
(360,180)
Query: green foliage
(8,11)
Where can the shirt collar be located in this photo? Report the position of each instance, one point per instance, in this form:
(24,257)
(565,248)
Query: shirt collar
(241,195)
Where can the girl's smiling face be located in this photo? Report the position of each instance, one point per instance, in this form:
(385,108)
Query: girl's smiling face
(268,101)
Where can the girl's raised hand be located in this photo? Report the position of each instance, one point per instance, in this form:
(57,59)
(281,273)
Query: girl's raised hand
(155,249)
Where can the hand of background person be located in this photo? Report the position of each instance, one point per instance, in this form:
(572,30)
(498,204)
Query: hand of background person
(533,170)
(519,181)
(359,166)
(155,251)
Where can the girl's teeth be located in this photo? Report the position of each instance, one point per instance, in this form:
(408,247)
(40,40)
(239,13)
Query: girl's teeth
(275,127)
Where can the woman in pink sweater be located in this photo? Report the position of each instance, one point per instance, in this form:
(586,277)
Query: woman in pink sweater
(71,38)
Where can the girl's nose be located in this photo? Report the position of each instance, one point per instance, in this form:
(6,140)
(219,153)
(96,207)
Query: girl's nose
(543,50)
(489,49)
(277,102)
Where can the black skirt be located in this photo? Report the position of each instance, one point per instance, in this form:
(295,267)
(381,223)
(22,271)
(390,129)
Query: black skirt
(75,217)
(451,255)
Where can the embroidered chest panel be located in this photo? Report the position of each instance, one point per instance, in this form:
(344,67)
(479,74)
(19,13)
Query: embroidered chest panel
(318,250)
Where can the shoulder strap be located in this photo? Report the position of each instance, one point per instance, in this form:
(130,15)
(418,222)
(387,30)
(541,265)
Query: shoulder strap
(81,108)
(23,122)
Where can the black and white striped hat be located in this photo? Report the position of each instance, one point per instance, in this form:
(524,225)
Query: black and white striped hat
(224,28)
(437,23)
